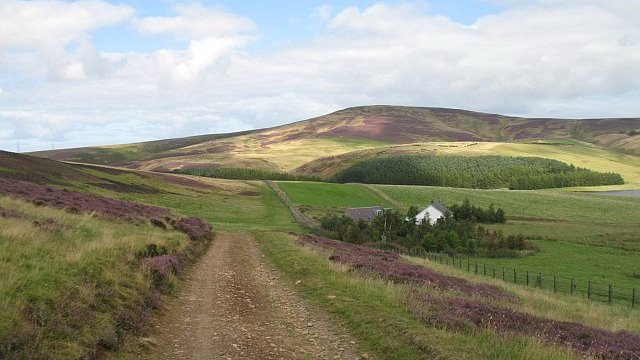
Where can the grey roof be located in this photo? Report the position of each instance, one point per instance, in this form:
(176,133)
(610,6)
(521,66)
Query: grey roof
(363,213)
(440,207)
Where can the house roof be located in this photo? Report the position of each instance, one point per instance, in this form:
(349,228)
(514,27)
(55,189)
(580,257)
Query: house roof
(364,213)
(440,207)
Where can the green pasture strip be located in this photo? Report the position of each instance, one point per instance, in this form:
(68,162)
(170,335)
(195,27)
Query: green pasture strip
(332,195)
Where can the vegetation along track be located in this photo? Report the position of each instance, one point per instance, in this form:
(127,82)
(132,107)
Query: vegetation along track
(234,305)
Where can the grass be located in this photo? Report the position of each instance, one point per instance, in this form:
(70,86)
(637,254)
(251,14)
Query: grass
(579,235)
(228,205)
(334,195)
(68,287)
(555,306)
(575,217)
(374,311)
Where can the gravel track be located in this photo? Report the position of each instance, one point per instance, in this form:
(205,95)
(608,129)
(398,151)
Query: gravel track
(234,306)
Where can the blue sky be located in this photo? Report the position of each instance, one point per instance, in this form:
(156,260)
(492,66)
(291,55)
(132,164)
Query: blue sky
(88,72)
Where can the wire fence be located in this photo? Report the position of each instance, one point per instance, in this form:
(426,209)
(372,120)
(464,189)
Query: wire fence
(585,288)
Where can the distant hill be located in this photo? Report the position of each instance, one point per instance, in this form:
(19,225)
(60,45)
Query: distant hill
(291,146)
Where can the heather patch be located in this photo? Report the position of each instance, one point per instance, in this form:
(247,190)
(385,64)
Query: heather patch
(77,202)
(6,213)
(390,265)
(462,314)
(196,228)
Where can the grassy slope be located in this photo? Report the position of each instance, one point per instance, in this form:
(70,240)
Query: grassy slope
(67,285)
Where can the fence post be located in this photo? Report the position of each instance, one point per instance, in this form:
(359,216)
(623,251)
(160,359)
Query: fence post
(589,290)
(493,267)
(540,280)
(484,269)
(468,265)
(633,298)
(515,276)
(503,275)
(572,287)
(527,278)
(476,267)
(610,293)
(460,263)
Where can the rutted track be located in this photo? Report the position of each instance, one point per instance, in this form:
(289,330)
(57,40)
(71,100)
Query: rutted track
(234,306)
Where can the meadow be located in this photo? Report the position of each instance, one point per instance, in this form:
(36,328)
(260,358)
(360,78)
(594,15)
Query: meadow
(584,236)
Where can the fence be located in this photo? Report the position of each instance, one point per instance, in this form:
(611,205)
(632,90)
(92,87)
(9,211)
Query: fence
(585,288)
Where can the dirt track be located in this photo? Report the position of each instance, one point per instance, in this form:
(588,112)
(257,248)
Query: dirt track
(234,306)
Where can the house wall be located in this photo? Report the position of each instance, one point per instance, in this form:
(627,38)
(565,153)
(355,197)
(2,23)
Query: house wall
(431,212)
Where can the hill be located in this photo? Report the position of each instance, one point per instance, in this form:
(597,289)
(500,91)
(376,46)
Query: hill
(290,146)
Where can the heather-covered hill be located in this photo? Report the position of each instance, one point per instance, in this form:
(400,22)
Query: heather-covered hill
(289,146)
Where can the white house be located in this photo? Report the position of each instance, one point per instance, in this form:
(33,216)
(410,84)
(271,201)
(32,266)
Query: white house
(432,213)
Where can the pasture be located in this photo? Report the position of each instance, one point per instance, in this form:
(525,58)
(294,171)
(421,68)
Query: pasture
(579,235)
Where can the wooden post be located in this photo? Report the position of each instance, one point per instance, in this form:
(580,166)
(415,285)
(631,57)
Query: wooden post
(515,276)
(633,298)
(503,275)
(610,293)
(589,290)
(494,270)
(540,280)
(484,269)
(555,283)
(527,278)
(460,263)
(468,265)
(572,287)
(476,267)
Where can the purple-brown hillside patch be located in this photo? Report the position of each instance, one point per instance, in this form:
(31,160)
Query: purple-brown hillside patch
(196,228)
(9,214)
(459,313)
(77,202)
(389,265)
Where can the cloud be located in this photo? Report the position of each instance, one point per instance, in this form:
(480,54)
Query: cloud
(195,21)
(41,33)
(535,58)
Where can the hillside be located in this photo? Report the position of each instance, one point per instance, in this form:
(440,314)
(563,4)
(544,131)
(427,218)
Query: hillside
(290,146)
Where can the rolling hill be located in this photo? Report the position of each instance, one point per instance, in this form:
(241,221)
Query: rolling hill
(296,145)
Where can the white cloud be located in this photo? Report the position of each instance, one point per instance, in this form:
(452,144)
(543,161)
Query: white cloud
(45,25)
(195,21)
(40,32)
(538,58)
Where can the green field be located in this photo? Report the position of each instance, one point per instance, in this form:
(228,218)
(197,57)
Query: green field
(331,195)
(579,235)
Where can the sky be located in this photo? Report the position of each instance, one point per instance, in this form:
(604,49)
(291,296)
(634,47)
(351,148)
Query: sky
(94,72)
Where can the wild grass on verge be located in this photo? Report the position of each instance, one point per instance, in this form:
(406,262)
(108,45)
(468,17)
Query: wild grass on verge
(71,285)
(373,309)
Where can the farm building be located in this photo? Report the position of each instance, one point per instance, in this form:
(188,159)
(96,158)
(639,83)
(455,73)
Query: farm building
(364,213)
(432,213)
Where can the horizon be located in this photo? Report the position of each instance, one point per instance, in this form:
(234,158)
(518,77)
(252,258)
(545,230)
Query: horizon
(110,72)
